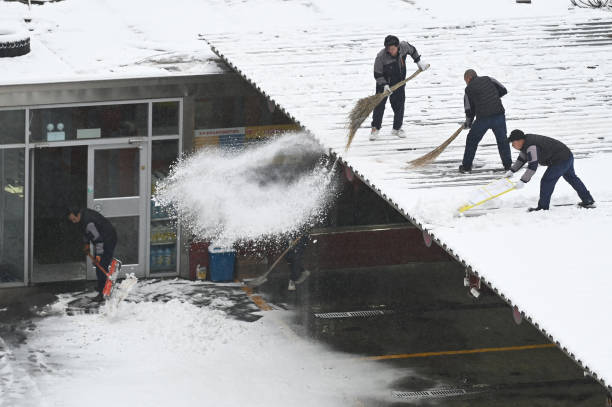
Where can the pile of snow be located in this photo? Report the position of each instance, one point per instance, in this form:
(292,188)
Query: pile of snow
(177,353)
(226,195)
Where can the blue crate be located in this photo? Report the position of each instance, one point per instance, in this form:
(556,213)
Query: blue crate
(221,264)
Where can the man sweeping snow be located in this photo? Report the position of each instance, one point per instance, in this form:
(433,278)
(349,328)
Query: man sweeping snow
(99,231)
(295,258)
(542,150)
(482,100)
(389,69)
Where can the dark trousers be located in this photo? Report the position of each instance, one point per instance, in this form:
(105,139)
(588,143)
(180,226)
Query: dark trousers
(397,104)
(497,123)
(295,258)
(105,260)
(564,169)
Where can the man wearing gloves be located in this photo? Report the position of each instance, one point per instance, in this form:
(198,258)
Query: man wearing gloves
(482,100)
(389,69)
(542,150)
(99,231)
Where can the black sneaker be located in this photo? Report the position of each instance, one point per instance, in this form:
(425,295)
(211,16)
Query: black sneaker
(465,170)
(587,204)
(507,167)
(535,209)
(98,298)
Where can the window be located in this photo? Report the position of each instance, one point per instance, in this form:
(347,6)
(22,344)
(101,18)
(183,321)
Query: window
(12,166)
(163,229)
(12,126)
(88,122)
(166,118)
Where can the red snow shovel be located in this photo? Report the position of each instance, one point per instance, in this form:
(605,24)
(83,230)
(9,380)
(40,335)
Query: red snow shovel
(111,275)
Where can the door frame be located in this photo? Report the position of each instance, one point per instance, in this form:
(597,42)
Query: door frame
(139,143)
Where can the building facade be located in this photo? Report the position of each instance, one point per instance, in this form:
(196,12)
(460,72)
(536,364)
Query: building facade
(104,145)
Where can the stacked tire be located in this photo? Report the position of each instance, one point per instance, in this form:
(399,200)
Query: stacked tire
(14,42)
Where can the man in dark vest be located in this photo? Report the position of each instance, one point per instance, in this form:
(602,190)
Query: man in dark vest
(295,258)
(482,100)
(100,232)
(389,69)
(542,150)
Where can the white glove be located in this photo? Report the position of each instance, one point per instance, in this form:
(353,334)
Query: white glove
(387,90)
(509,174)
(422,65)
(519,185)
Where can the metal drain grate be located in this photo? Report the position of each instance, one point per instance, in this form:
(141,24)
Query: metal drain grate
(411,395)
(352,314)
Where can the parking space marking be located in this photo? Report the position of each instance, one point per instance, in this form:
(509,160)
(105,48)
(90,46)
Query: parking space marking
(257,299)
(461,352)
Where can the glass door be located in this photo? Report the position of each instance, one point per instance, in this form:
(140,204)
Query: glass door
(116,180)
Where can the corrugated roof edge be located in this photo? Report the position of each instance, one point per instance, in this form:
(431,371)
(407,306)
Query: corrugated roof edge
(415,222)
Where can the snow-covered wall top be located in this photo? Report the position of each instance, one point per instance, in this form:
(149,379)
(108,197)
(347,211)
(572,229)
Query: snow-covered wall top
(97,40)
(556,62)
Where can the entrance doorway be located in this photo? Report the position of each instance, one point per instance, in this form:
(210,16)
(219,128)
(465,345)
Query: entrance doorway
(110,179)
(59,182)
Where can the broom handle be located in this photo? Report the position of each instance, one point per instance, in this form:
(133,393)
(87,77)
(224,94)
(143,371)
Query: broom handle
(455,134)
(283,254)
(402,83)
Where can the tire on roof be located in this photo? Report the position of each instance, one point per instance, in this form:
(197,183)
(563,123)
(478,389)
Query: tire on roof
(14,42)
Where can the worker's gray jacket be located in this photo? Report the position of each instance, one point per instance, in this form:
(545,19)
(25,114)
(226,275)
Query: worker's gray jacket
(389,70)
(540,150)
(96,229)
(483,97)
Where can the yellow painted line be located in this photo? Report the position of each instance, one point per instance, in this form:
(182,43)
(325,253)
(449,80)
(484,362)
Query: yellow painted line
(257,299)
(460,352)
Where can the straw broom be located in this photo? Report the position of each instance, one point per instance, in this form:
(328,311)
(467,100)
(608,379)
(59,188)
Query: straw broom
(365,106)
(256,282)
(433,154)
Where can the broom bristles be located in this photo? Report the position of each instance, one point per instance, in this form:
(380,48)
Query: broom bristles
(360,112)
(365,106)
(433,154)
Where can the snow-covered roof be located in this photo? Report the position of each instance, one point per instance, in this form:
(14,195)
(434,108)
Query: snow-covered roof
(75,41)
(556,62)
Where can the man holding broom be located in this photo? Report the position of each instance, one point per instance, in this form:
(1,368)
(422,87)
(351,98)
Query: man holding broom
(389,69)
(482,100)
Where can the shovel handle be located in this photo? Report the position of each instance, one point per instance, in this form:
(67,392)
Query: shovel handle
(93,259)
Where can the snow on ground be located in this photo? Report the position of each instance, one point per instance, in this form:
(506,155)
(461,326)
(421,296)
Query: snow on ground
(556,62)
(165,347)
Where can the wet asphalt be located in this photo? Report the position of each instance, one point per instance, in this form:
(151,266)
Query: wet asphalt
(412,318)
(406,311)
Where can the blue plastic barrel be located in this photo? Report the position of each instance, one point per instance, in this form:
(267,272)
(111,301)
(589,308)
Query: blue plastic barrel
(221,263)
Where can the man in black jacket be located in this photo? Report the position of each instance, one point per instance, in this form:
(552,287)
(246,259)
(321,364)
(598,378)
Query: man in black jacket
(389,69)
(542,150)
(482,100)
(295,258)
(101,233)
